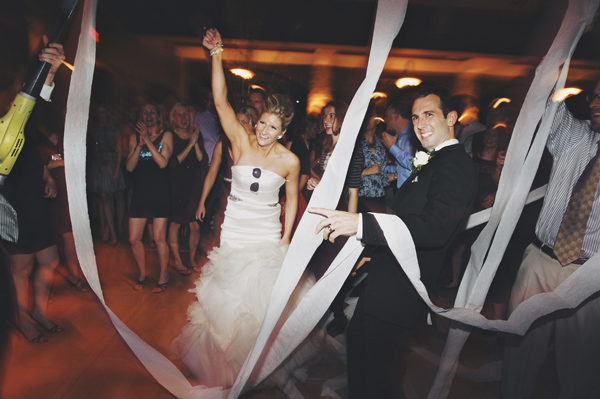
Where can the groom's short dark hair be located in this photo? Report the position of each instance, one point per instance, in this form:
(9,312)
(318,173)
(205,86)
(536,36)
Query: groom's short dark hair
(427,88)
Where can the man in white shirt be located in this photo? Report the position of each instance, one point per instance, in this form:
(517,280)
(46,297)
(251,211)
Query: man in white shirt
(573,333)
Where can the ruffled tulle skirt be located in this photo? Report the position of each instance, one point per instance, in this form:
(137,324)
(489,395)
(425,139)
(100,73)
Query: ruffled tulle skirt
(232,296)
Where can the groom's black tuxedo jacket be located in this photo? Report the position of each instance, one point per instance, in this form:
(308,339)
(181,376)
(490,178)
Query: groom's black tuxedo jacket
(433,203)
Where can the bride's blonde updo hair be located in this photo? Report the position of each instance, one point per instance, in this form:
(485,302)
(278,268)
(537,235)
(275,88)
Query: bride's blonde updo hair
(282,106)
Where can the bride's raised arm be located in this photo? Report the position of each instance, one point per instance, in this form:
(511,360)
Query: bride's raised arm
(232,128)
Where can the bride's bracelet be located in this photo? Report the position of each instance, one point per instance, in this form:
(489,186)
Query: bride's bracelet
(216,49)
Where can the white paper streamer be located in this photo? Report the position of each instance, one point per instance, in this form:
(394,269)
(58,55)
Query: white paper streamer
(78,103)
(483,216)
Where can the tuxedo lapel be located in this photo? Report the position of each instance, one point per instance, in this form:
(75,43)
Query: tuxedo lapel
(413,175)
(415,172)
(422,176)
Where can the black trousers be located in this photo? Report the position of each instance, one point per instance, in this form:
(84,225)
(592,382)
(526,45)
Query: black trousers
(377,353)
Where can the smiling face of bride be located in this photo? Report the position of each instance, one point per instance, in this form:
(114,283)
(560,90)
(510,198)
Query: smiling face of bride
(268,129)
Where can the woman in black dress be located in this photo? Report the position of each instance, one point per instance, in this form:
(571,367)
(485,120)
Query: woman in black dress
(149,153)
(187,172)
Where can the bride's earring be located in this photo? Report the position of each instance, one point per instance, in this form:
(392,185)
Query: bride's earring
(279,138)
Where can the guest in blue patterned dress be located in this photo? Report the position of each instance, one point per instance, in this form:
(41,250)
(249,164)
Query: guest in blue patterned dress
(374,178)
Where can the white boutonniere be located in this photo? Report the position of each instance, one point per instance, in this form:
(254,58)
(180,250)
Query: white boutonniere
(421,158)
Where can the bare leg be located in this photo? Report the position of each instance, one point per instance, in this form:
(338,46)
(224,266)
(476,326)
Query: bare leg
(120,211)
(174,244)
(149,229)
(47,260)
(21,267)
(193,243)
(72,262)
(457,264)
(159,235)
(136,231)
(107,199)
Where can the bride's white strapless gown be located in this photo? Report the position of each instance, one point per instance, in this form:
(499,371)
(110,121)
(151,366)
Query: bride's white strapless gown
(235,285)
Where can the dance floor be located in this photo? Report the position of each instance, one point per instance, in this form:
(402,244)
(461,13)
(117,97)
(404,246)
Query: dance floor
(90,360)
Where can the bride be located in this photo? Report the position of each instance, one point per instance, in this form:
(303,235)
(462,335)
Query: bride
(235,286)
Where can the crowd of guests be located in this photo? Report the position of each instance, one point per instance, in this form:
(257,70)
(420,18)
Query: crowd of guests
(159,175)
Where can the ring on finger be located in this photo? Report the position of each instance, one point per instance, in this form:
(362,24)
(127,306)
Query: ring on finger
(329,228)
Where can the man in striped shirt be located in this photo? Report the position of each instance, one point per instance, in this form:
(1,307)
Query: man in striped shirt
(574,333)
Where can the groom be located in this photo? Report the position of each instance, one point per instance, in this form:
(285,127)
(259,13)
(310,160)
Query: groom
(433,202)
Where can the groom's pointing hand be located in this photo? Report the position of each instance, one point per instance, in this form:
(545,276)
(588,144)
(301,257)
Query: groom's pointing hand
(336,223)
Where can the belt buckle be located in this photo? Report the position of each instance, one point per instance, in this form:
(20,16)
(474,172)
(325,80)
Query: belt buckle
(548,250)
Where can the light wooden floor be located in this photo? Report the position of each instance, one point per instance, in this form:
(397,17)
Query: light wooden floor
(90,360)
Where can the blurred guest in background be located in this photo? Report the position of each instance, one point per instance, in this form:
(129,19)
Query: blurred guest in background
(374,178)
(149,154)
(468,125)
(488,160)
(208,123)
(400,140)
(187,170)
(332,118)
(257,99)
(104,171)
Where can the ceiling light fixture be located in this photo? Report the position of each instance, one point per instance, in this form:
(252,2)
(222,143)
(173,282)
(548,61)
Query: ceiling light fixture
(243,73)
(403,82)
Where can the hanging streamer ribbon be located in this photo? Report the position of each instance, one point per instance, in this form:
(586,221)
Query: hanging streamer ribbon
(76,121)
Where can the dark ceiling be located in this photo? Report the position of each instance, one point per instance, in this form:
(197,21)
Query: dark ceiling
(505,27)
(502,27)
(508,27)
